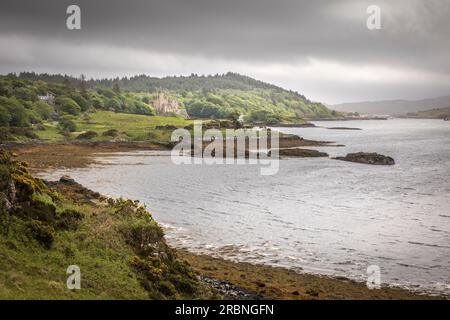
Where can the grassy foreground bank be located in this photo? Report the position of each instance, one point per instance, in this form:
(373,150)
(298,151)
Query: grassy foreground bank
(119,248)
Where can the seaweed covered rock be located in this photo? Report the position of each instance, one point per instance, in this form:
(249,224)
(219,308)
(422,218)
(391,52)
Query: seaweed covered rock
(111,133)
(301,153)
(368,158)
(73,190)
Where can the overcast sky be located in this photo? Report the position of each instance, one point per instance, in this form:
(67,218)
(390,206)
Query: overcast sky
(320,48)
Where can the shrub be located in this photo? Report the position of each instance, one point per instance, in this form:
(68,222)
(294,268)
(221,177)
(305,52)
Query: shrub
(18,116)
(5,117)
(5,177)
(144,236)
(81,101)
(27,94)
(114,104)
(26,132)
(69,219)
(43,109)
(41,208)
(67,125)
(88,135)
(40,127)
(111,133)
(97,103)
(43,233)
(68,105)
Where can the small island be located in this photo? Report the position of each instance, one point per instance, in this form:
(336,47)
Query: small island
(368,158)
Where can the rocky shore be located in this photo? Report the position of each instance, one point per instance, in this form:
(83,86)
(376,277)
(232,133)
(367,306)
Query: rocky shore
(266,282)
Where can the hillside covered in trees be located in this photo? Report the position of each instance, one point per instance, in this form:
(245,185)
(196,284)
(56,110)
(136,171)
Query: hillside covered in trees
(214,96)
(31,102)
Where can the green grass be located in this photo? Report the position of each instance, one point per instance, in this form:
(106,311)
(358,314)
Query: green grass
(29,271)
(131,127)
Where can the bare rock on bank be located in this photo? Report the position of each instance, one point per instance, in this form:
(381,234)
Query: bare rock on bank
(301,153)
(73,190)
(296,125)
(368,158)
(343,128)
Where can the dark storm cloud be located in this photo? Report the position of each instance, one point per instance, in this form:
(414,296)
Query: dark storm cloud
(205,36)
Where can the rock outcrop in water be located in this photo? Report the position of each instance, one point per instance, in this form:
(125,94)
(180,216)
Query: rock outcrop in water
(301,153)
(368,158)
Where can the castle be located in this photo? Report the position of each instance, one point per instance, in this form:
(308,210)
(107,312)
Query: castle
(166,106)
(49,98)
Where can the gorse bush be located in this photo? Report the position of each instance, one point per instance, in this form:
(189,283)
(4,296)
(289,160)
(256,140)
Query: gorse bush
(43,233)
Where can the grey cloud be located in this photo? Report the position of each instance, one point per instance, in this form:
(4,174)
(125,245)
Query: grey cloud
(415,33)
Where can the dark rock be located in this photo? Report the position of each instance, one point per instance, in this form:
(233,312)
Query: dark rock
(230,291)
(111,133)
(368,158)
(301,153)
(343,128)
(296,125)
(312,292)
(296,293)
(67,180)
(88,135)
(73,190)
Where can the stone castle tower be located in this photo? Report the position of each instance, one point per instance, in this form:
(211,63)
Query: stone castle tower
(166,106)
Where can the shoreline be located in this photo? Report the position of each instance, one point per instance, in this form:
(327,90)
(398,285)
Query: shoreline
(258,280)
(280,283)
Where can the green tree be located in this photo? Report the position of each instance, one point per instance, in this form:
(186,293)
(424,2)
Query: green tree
(43,109)
(67,105)
(83,85)
(97,103)
(18,113)
(5,117)
(116,87)
(26,94)
(66,124)
(234,117)
(81,101)
(114,104)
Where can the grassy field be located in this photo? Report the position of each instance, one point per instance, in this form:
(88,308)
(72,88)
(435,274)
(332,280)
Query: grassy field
(440,113)
(130,127)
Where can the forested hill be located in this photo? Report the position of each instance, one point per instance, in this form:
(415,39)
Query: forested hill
(214,96)
(144,83)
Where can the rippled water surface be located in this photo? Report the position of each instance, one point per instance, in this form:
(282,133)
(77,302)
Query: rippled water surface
(319,215)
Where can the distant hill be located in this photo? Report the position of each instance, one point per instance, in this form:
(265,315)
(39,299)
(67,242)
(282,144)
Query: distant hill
(438,113)
(393,107)
(212,96)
